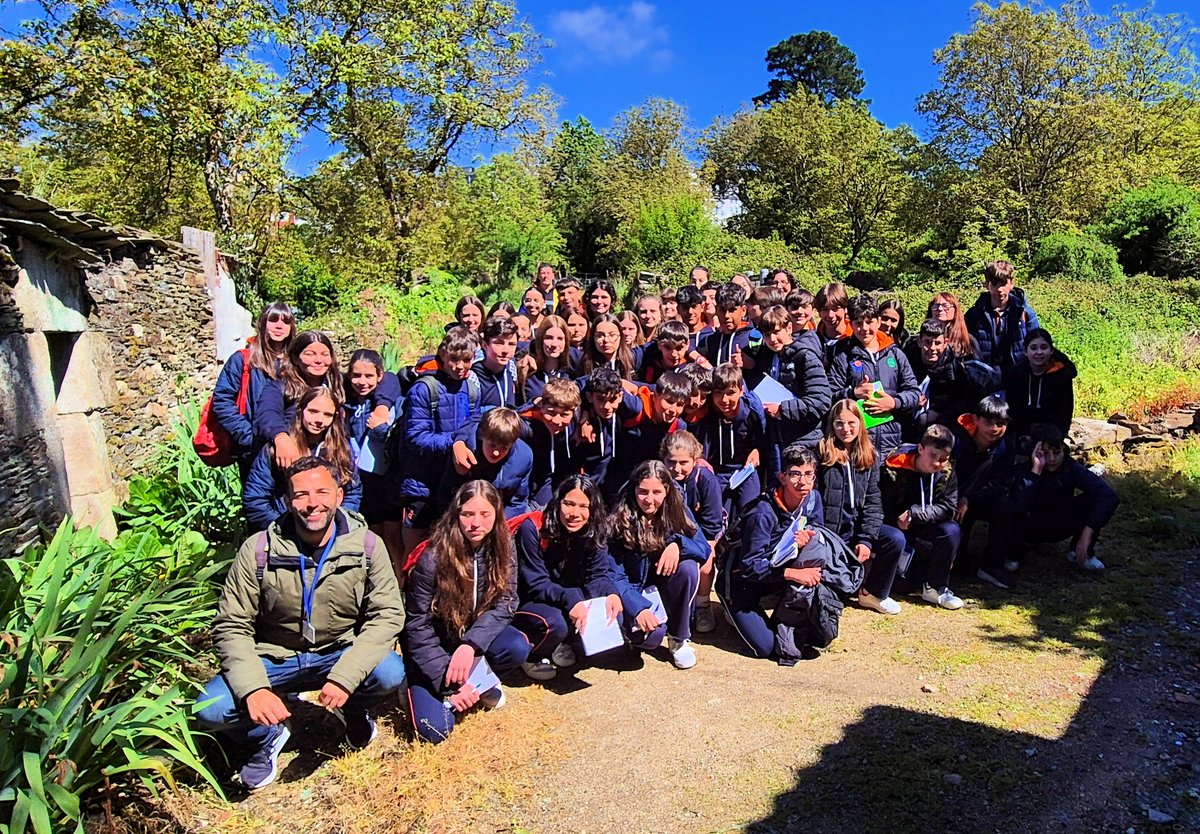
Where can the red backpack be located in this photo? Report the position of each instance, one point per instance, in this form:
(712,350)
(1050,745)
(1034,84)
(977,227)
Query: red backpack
(212,442)
(513,523)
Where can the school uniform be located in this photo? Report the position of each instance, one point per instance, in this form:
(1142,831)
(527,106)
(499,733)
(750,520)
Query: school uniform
(640,438)
(931,501)
(830,341)
(510,475)
(633,571)
(555,576)
(854,512)
(368,450)
(1035,399)
(798,369)
(1057,505)
(554,456)
(535,383)
(499,387)
(718,347)
(852,363)
(728,442)
(1001,335)
(985,479)
(595,457)
(747,575)
(650,365)
(702,494)
(264,495)
(951,392)
(697,339)
(427,643)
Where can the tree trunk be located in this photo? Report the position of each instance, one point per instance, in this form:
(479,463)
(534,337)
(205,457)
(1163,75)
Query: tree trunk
(218,182)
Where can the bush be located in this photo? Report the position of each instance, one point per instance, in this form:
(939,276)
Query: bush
(1156,230)
(1075,255)
(95,686)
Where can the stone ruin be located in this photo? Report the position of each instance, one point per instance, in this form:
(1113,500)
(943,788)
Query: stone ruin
(104,330)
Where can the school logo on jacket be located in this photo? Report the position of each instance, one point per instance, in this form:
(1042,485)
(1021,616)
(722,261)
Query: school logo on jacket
(891,362)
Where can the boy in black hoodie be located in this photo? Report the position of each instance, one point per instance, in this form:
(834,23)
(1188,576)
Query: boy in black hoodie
(984,460)
(947,390)
(1060,498)
(920,497)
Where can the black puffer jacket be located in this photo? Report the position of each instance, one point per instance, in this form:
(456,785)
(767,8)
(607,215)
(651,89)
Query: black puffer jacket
(853,508)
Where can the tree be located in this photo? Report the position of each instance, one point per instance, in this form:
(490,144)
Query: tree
(813,61)
(406,85)
(573,177)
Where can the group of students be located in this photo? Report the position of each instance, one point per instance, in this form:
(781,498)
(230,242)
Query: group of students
(791,451)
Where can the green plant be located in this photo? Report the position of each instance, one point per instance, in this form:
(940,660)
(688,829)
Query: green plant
(95,683)
(1075,255)
(1156,229)
(185,493)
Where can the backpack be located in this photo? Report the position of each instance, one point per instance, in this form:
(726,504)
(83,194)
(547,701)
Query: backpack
(513,523)
(212,442)
(395,435)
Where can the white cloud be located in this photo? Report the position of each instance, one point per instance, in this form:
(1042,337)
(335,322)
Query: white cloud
(611,35)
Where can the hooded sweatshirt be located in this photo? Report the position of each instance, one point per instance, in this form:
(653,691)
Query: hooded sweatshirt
(1048,397)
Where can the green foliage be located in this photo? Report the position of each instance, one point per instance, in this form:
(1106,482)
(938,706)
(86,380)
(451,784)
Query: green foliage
(290,273)
(185,494)
(1156,229)
(96,683)
(814,62)
(662,229)
(1076,255)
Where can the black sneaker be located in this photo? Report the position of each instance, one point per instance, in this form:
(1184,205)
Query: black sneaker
(996,576)
(360,728)
(263,767)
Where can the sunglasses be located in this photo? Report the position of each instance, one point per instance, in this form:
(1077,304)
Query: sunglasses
(276,317)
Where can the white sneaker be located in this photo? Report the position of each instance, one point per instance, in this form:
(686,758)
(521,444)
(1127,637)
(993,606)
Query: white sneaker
(494,698)
(1092,563)
(682,653)
(706,621)
(887,605)
(563,656)
(944,598)
(1012,566)
(540,670)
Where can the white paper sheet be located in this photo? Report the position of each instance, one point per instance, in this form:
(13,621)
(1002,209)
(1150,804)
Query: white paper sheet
(598,634)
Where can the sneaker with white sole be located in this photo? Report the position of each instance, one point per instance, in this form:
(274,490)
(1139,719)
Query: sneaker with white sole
(1012,566)
(563,656)
(1091,563)
(887,605)
(996,576)
(682,653)
(540,670)
(706,621)
(360,728)
(494,698)
(944,598)
(263,766)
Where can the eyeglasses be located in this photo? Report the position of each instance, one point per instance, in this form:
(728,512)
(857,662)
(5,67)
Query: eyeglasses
(941,305)
(283,317)
(794,476)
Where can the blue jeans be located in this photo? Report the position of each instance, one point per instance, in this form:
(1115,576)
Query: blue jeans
(300,673)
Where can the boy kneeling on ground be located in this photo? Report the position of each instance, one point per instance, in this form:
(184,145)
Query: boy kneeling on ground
(280,629)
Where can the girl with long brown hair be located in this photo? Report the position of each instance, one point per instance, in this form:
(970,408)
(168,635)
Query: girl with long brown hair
(945,307)
(848,480)
(605,346)
(657,550)
(548,357)
(316,429)
(311,361)
(460,598)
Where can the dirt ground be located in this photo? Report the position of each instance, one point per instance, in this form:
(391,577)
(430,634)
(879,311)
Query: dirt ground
(1071,704)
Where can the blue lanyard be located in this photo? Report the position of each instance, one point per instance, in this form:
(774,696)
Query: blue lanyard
(308,595)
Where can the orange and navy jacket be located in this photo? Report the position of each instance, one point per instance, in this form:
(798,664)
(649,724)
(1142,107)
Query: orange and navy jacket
(928,499)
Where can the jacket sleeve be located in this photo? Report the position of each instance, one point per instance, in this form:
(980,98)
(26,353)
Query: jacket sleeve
(597,577)
(870,517)
(711,515)
(521,465)
(811,387)
(388,391)
(536,584)
(632,600)
(422,433)
(261,501)
(1102,500)
(224,401)
(695,546)
(383,624)
(757,547)
(908,392)
(419,639)
(233,629)
(841,381)
(489,625)
(269,417)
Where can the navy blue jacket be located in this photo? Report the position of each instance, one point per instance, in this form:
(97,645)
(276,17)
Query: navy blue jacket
(275,413)
(554,456)
(727,443)
(1051,492)
(427,642)
(696,340)
(928,499)
(632,570)
(426,443)
(357,413)
(1032,399)
(561,573)
(718,347)
(980,470)
(264,495)
(1002,343)
(224,402)
(764,523)
(852,364)
(702,494)
(510,476)
(853,507)
(797,368)
(596,457)
(498,388)
(535,383)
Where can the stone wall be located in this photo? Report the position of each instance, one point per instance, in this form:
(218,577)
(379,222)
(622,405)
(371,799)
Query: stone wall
(33,490)
(156,316)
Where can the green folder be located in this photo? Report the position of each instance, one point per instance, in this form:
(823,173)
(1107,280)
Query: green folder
(870,421)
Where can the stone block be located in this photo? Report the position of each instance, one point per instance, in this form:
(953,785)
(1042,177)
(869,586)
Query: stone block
(1087,433)
(84,454)
(96,510)
(90,380)
(50,295)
